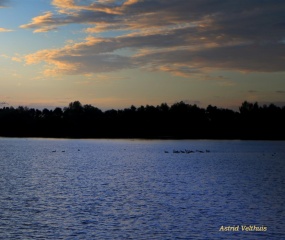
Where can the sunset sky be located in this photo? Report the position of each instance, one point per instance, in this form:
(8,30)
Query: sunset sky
(118,53)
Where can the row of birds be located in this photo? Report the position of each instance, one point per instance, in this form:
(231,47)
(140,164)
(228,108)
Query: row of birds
(174,151)
(62,151)
(187,151)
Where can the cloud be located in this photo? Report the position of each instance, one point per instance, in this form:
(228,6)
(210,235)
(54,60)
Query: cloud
(5,30)
(181,37)
(3,4)
(46,22)
(80,58)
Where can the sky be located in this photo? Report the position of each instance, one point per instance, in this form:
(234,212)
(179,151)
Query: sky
(118,53)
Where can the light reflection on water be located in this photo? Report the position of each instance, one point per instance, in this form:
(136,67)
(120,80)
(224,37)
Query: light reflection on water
(132,189)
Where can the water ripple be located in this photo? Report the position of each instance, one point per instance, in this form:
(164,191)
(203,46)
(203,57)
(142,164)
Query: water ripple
(122,189)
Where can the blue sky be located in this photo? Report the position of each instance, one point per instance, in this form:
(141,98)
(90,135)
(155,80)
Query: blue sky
(114,54)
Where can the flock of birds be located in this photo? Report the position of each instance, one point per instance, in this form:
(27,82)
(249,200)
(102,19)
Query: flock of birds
(188,151)
(177,151)
(174,151)
(63,151)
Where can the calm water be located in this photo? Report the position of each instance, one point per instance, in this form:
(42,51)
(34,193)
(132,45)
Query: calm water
(132,189)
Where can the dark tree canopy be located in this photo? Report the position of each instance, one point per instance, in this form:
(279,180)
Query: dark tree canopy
(181,120)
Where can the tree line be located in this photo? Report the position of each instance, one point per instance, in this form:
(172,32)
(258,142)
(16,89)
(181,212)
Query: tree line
(178,121)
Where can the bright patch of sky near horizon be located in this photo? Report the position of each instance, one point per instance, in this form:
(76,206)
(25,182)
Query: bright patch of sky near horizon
(141,52)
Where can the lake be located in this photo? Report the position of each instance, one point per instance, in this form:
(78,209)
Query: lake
(141,189)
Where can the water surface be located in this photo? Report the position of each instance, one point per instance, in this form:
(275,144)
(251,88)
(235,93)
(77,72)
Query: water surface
(133,189)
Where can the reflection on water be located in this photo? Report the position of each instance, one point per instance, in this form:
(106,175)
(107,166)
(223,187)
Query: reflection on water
(132,189)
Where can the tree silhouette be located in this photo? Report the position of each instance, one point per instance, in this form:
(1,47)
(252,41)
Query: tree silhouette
(179,120)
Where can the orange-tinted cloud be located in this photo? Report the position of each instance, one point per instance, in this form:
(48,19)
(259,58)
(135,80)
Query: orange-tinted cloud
(181,37)
(5,30)
(2,5)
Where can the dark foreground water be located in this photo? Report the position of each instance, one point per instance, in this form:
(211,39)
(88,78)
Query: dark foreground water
(133,189)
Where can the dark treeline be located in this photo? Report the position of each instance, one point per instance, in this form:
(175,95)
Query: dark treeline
(180,120)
